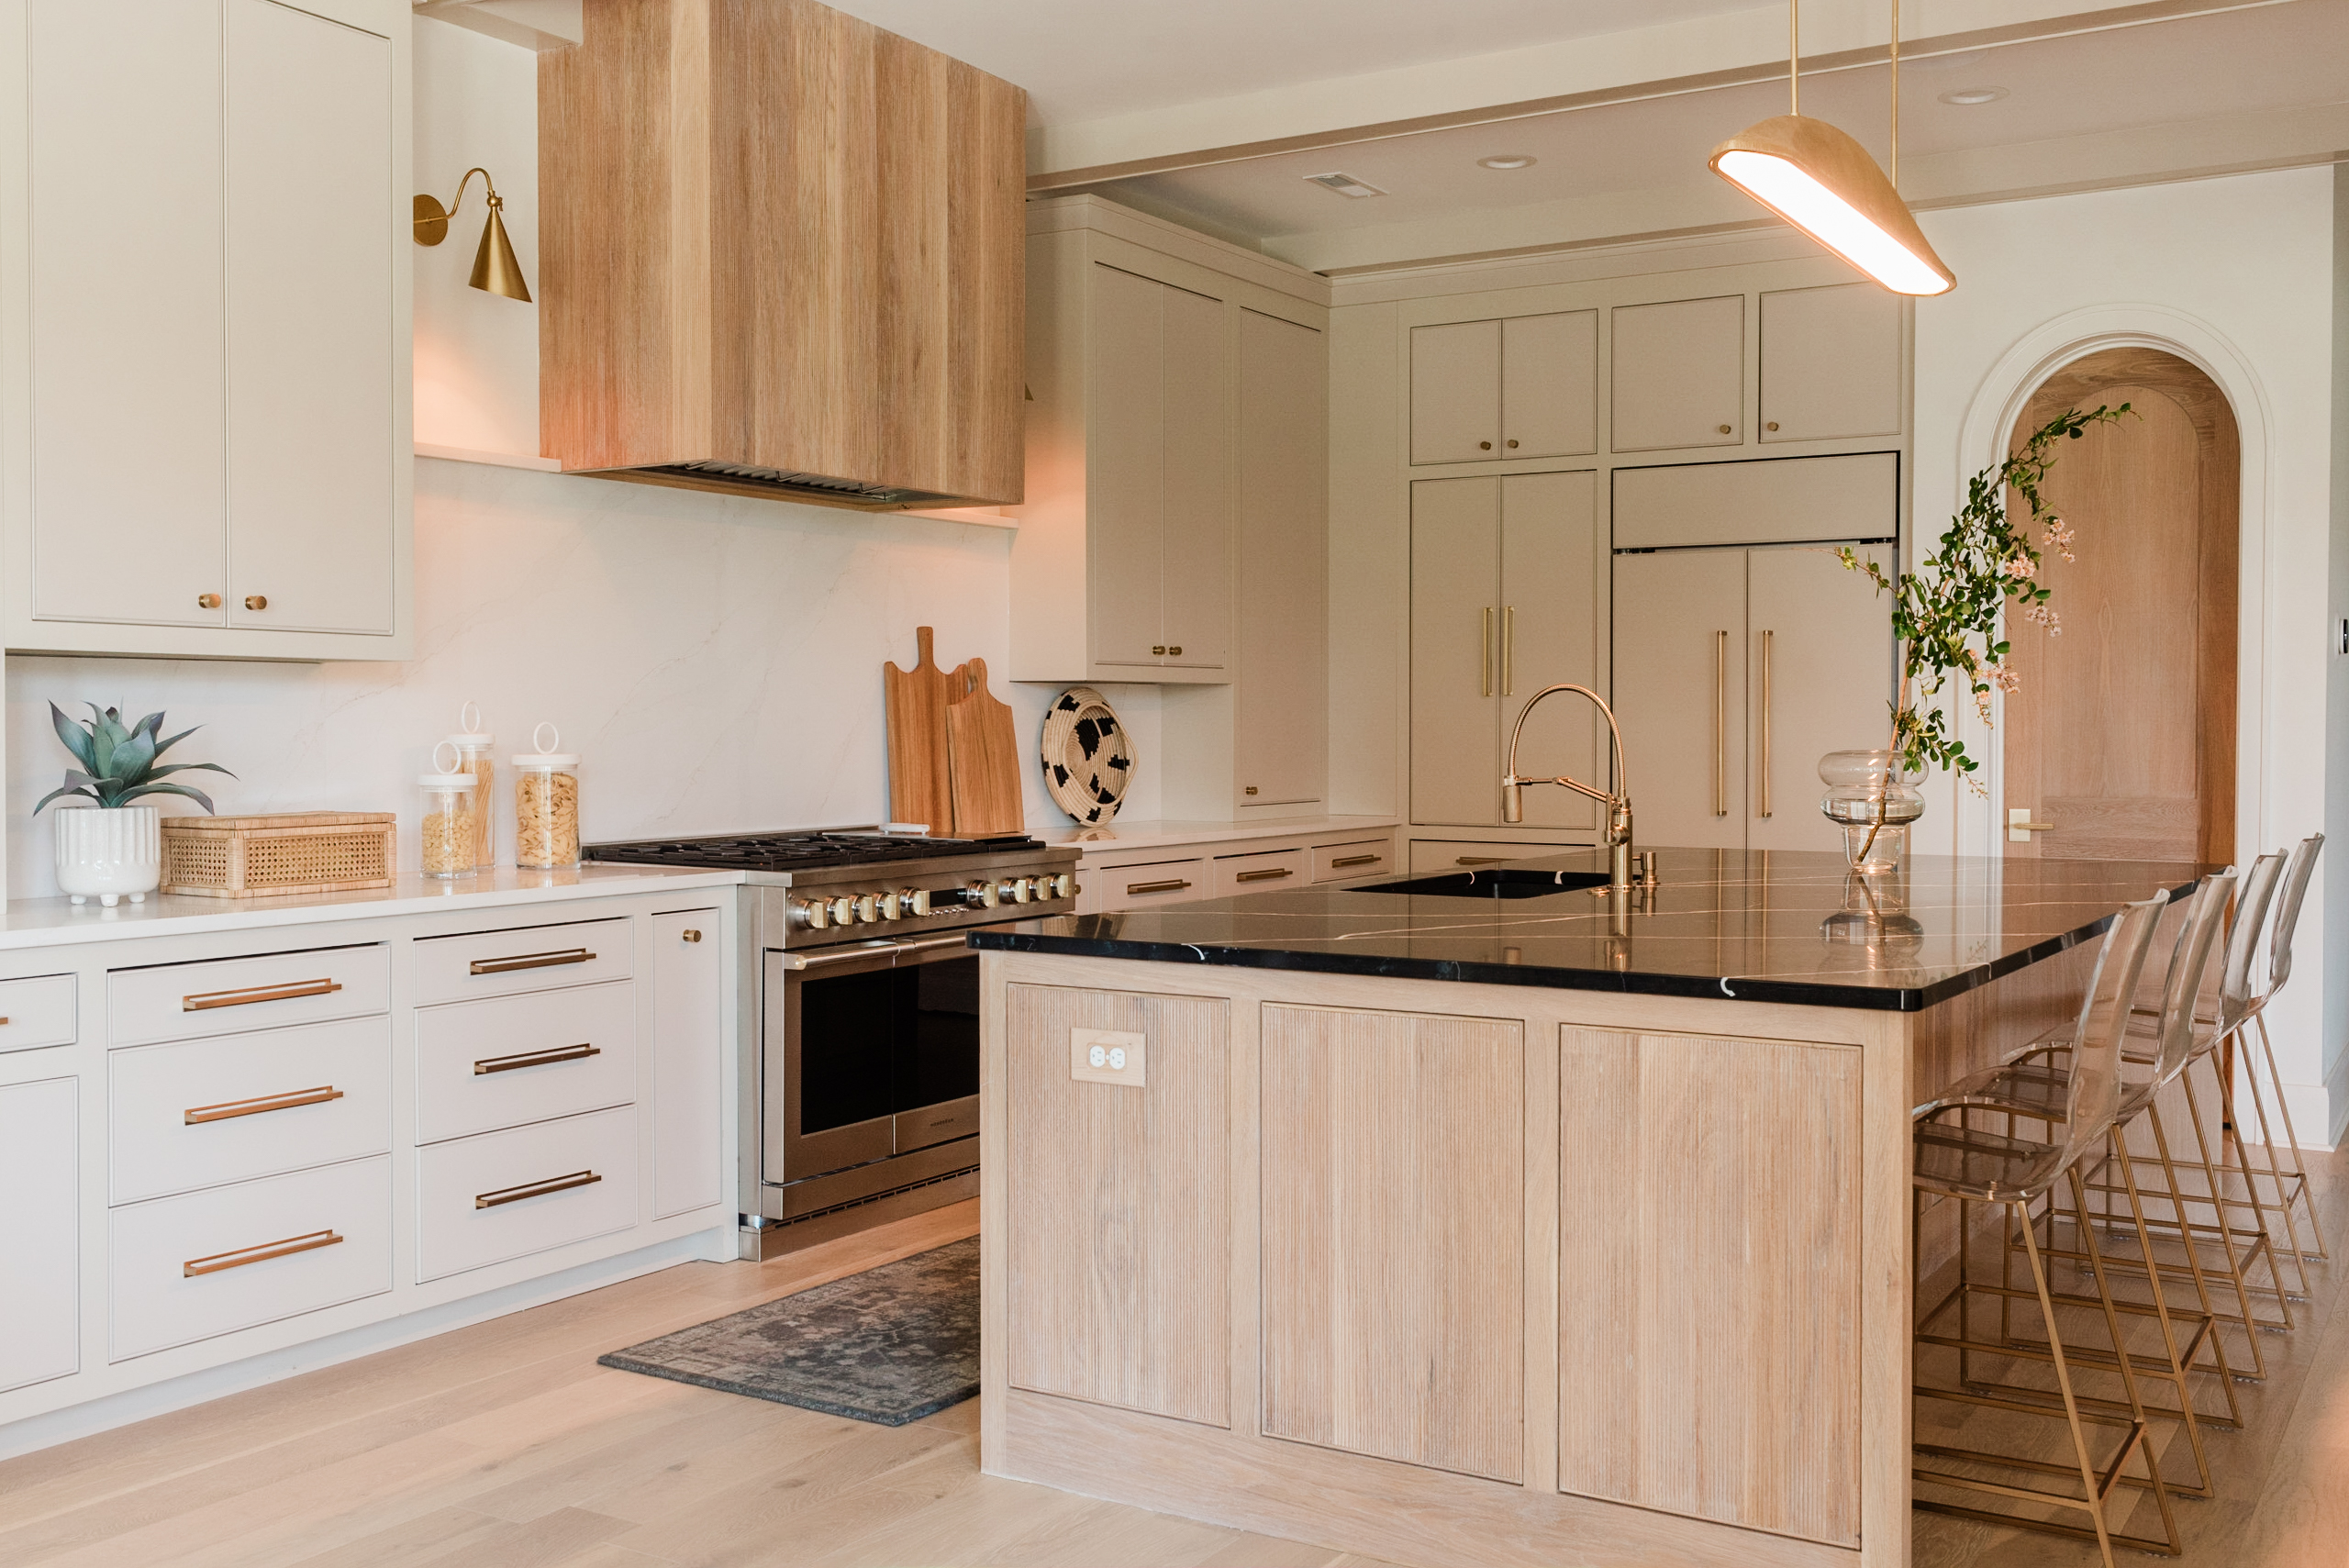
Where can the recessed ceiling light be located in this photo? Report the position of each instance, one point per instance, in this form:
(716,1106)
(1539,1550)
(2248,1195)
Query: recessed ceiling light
(1346,185)
(1508,160)
(1966,97)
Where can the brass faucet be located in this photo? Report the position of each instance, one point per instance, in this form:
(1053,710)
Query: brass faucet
(1619,804)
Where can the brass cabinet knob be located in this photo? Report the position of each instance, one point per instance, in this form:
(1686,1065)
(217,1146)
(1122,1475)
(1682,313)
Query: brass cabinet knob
(1771,426)
(1160,649)
(1512,443)
(207,601)
(1484,445)
(261,601)
(690,936)
(1724,429)
(1174,650)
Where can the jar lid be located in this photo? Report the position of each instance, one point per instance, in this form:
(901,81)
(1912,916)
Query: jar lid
(473,740)
(446,781)
(472,737)
(545,756)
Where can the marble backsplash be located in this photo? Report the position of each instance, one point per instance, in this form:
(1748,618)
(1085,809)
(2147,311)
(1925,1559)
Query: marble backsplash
(715,660)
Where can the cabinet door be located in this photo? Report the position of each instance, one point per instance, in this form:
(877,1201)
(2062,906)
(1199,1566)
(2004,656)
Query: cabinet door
(1126,462)
(40,1232)
(1550,384)
(1820,641)
(688,1062)
(1549,634)
(1680,694)
(1198,467)
(1283,695)
(1456,392)
(1678,374)
(127,472)
(1456,583)
(1831,363)
(309,291)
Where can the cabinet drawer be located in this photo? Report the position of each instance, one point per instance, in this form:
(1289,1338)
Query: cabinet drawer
(37,1012)
(1345,862)
(203,1112)
(535,958)
(511,1059)
(1162,882)
(504,1194)
(189,1001)
(1262,871)
(259,1252)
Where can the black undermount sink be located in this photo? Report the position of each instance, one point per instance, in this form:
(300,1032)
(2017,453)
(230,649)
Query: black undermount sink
(1498,882)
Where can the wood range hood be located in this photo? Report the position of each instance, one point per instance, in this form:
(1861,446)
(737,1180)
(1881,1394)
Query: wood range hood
(781,254)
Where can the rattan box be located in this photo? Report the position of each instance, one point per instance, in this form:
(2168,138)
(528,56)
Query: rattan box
(294,851)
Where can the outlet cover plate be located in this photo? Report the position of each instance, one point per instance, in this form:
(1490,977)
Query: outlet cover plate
(1082,1044)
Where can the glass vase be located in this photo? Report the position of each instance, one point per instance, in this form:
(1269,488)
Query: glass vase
(1872,802)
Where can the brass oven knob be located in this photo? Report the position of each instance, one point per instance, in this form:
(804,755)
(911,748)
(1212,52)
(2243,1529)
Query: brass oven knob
(868,908)
(844,910)
(983,894)
(887,902)
(812,913)
(915,900)
(1063,885)
(1019,889)
(207,601)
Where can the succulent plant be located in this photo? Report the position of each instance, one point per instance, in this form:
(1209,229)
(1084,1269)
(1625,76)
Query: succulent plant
(118,764)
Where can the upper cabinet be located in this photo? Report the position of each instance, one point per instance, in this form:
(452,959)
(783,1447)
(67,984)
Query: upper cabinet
(1524,387)
(205,431)
(1831,363)
(1679,374)
(780,254)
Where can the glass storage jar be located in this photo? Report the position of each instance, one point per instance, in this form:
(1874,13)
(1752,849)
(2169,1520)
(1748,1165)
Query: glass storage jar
(546,804)
(472,744)
(453,809)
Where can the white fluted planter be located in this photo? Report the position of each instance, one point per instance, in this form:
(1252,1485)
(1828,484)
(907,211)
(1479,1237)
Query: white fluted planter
(109,855)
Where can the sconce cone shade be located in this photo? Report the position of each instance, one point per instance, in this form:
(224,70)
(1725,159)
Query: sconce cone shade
(1825,183)
(495,269)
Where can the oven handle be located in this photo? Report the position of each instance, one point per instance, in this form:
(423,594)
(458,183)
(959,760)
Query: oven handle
(893,952)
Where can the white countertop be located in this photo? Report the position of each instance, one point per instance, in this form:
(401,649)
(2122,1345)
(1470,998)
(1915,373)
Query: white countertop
(1121,834)
(57,922)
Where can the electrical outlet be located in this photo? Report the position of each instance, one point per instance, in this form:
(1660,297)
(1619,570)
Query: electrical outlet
(1106,1056)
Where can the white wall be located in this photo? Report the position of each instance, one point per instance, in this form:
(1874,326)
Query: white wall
(2245,265)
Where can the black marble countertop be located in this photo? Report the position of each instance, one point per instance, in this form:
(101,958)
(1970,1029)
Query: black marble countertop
(1776,926)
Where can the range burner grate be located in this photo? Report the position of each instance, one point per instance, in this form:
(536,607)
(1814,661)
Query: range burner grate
(795,851)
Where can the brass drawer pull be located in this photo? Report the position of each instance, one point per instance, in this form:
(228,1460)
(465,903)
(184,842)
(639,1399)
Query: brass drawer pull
(1480,861)
(532,961)
(195,1116)
(1342,861)
(1273,873)
(535,1059)
(535,1189)
(261,1254)
(1173,884)
(203,1000)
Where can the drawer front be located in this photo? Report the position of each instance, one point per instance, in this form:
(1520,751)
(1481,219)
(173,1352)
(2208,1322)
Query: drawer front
(37,1012)
(507,1195)
(534,958)
(1345,863)
(1163,882)
(259,1252)
(191,1001)
(199,1113)
(512,1060)
(1440,855)
(1262,872)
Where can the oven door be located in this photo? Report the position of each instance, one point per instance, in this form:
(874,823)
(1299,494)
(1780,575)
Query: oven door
(870,1050)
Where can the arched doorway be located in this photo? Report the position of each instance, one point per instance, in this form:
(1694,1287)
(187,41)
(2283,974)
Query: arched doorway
(2122,738)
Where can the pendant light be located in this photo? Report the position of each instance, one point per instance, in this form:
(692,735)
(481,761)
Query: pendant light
(1824,182)
(496,268)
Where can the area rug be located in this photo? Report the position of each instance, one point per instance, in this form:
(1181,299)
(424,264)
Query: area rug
(890,1345)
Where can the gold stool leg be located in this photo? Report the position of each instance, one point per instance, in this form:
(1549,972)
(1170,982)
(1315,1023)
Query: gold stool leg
(2177,1196)
(2214,1174)
(2127,1374)
(2175,1364)
(2283,1204)
(2299,1160)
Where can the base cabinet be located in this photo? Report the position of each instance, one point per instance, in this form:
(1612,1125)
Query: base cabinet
(41,1226)
(688,1060)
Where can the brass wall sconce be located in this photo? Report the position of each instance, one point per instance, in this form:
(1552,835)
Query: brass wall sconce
(495,269)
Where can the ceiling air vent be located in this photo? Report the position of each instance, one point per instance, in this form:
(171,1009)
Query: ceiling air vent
(1346,184)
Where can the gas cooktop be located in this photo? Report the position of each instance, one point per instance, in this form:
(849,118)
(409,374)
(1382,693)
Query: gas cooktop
(805,851)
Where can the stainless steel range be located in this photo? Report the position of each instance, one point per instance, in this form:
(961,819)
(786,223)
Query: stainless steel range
(865,1081)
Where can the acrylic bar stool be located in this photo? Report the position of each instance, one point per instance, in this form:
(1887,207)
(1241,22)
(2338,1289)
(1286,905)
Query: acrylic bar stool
(1974,1166)
(2290,1185)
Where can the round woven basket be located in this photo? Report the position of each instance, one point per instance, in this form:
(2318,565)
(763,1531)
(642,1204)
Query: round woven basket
(1088,756)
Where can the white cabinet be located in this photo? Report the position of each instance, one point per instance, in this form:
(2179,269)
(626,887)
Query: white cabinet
(206,443)
(1832,362)
(1522,387)
(688,1062)
(1506,598)
(40,1231)
(1281,753)
(1456,392)
(1678,374)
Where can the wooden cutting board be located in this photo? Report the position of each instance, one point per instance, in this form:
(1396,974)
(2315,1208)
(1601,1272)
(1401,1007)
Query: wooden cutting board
(983,753)
(916,698)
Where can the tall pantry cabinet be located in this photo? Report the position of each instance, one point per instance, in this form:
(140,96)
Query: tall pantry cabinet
(203,358)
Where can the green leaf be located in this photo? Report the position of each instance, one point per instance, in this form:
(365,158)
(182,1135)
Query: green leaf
(187,767)
(52,795)
(76,738)
(127,796)
(163,746)
(132,757)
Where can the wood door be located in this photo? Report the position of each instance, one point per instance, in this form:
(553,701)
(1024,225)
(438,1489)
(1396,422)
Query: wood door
(1680,681)
(41,1226)
(1282,704)
(1126,466)
(1456,392)
(1455,611)
(1678,374)
(1550,384)
(128,471)
(1819,642)
(1199,481)
(2122,734)
(309,289)
(1551,558)
(1831,363)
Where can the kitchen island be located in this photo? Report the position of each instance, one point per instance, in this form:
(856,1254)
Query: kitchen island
(1497,1221)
